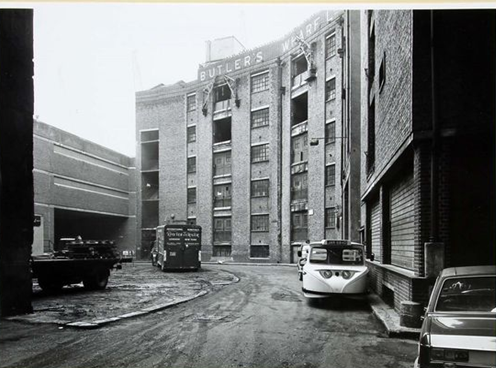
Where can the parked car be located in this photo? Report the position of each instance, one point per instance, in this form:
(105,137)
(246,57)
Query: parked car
(334,267)
(459,326)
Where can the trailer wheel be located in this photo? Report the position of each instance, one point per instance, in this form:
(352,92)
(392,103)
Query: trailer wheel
(49,285)
(97,281)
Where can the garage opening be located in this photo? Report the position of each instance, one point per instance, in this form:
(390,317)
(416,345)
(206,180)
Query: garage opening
(90,226)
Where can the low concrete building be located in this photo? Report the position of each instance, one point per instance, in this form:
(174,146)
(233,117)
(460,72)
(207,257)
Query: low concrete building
(81,188)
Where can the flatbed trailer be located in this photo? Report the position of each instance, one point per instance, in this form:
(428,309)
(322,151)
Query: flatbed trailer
(89,262)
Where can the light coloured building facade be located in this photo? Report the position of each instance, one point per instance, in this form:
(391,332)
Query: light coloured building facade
(231,150)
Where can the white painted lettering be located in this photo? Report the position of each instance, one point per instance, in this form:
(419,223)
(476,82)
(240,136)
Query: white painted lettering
(202,76)
(227,69)
(328,16)
(259,58)
(247,60)
(285,45)
(237,65)
(220,68)
(211,73)
(316,23)
(309,29)
(301,34)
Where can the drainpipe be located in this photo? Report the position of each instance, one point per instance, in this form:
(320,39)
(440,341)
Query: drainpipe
(281,91)
(434,236)
(434,256)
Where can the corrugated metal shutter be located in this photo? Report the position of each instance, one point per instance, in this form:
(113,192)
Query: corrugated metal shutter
(375,229)
(403,223)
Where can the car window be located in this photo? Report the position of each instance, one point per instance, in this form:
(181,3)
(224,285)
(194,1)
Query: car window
(467,294)
(337,255)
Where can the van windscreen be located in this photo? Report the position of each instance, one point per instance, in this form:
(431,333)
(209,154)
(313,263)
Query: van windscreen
(337,255)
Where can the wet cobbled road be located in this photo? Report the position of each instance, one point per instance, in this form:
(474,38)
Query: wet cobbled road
(260,321)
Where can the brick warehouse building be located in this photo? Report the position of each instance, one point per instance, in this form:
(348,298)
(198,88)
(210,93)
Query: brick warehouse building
(80,188)
(428,147)
(230,151)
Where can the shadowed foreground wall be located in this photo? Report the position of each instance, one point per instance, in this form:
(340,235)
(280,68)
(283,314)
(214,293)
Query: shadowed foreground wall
(16,160)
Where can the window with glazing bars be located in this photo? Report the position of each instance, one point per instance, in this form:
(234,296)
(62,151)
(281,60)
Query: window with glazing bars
(191,195)
(191,102)
(260,153)
(260,82)
(330,45)
(330,132)
(330,218)
(191,134)
(330,177)
(260,188)
(330,89)
(191,164)
(222,195)
(260,118)
(260,223)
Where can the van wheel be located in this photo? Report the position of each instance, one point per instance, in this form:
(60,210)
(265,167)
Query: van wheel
(97,281)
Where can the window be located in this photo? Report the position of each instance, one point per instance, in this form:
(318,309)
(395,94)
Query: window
(260,153)
(260,223)
(191,103)
(260,82)
(371,139)
(382,73)
(222,163)
(260,188)
(191,195)
(330,132)
(299,187)
(330,178)
(191,134)
(299,226)
(299,146)
(371,61)
(467,294)
(330,46)
(222,93)
(149,135)
(330,218)
(191,164)
(222,130)
(259,251)
(300,65)
(222,234)
(222,195)
(330,89)
(260,118)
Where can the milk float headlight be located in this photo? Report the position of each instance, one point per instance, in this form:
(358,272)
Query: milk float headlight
(326,274)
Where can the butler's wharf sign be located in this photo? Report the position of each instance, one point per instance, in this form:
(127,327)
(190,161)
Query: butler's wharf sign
(267,52)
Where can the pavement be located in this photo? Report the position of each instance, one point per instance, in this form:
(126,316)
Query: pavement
(127,296)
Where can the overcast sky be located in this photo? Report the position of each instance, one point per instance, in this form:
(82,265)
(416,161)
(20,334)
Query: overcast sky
(91,58)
